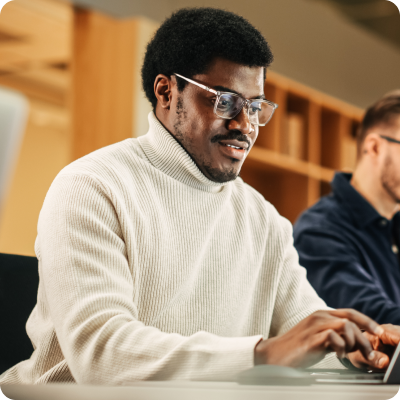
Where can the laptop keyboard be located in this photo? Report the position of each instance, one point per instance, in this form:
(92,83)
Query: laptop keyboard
(361,377)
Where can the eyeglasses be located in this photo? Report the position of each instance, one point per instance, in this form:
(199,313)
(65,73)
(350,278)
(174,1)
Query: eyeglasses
(389,139)
(228,105)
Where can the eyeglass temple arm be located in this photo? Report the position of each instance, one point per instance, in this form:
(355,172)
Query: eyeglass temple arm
(390,139)
(218,93)
(198,84)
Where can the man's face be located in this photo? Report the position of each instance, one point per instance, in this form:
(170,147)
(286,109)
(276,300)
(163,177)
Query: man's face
(207,138)
(390,172)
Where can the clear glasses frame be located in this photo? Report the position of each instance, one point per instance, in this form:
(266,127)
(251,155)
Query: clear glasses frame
(246,102)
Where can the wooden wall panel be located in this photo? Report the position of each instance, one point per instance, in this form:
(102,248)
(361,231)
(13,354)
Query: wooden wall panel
(41,29)
(104,52)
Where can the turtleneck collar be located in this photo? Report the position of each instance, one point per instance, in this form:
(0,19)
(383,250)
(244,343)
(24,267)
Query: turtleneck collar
(167,155)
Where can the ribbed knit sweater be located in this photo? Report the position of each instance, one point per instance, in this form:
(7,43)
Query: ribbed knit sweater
(150,271)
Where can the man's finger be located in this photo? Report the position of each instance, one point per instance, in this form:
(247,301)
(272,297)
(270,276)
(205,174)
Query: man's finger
(364,345)
(353,337)
(346,329)
(350,334)
(361,320)
(378,362)
(390,335)
(329,339)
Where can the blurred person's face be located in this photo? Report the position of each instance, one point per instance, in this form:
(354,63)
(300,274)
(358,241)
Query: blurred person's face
(390,171)
(217,146)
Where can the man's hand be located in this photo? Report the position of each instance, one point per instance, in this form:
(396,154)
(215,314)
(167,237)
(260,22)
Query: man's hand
(322,332)
(384,343)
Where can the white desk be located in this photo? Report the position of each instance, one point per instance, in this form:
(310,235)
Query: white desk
(199,391)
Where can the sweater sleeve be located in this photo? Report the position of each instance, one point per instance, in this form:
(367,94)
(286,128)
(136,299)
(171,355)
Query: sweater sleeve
(90,292)
(296,299)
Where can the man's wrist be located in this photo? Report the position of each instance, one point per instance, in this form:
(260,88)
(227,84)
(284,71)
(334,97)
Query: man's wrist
(261,351)
(257,355)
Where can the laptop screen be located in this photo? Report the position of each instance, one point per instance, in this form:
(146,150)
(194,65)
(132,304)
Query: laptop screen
(392,375)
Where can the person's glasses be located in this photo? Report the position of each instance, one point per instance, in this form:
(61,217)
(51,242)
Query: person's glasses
(389,139)
(228,105)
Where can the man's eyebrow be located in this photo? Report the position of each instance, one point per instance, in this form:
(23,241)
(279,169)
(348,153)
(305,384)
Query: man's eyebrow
(225,89)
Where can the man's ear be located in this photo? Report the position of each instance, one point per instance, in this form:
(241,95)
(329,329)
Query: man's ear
(372,145)
(163,91)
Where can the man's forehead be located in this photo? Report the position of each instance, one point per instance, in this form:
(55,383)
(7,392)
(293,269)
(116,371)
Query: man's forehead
(389,128)
(241,79)
(395,126)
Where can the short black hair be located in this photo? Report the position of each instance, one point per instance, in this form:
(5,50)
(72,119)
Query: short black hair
(383,113)
(189,40)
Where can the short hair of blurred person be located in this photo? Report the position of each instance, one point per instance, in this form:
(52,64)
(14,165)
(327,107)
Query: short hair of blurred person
(384,113)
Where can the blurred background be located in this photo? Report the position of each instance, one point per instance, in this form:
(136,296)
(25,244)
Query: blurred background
(78,65)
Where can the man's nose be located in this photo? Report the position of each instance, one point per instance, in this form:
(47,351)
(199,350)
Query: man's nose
(241,122)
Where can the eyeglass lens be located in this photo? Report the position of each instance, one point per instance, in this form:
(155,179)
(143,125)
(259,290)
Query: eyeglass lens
(230,105)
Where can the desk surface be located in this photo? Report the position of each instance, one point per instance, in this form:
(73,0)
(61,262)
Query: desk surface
(199,391)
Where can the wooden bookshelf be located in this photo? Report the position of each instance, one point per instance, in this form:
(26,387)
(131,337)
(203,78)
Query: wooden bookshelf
(311,136)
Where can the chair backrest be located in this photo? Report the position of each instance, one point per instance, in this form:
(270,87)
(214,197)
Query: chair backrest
(19,281)
(13,115)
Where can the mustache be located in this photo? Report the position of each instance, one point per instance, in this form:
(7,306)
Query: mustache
(231,135)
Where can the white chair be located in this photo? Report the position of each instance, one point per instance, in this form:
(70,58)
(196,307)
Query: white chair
(13,116)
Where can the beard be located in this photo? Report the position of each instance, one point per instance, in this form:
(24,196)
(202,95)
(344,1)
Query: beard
(390,179)
(219,176)
(214,174)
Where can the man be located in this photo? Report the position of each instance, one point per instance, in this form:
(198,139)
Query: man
(349,241)
(156,261)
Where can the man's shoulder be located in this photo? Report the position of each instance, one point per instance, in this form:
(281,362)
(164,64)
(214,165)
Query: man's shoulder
(107,163)
(327,213)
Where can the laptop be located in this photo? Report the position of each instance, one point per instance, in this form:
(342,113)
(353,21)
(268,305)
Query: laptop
(283,376)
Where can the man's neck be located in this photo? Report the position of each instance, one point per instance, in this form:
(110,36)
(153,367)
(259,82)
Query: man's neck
(370,187)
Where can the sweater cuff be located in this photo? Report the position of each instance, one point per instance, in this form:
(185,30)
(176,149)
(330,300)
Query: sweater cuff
(237,356)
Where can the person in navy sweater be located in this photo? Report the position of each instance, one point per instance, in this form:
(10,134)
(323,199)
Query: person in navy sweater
(349,241)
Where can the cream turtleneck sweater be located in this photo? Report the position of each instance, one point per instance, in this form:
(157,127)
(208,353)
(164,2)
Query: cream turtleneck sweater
(150,271)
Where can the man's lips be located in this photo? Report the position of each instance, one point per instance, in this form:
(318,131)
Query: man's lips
(235,144)
(234,149)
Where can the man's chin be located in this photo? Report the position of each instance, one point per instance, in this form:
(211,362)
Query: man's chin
(221,175)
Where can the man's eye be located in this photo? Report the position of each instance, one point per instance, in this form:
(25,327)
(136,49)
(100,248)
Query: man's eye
(255,108)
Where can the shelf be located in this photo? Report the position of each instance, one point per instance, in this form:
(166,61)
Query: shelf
(323,99)
(311,136)
(268,159)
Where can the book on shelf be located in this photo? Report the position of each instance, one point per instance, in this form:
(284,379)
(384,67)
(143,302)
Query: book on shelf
(348,154)
(293,140)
